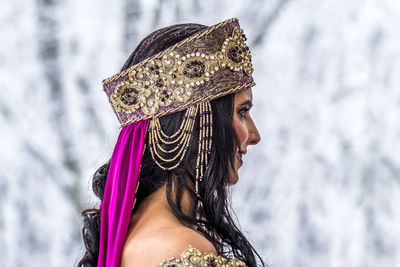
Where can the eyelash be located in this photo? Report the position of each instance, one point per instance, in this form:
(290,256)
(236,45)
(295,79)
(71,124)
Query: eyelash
(243,111)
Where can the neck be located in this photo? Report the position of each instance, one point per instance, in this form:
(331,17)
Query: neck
(156,204)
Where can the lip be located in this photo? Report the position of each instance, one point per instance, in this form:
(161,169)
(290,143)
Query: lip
(239,155)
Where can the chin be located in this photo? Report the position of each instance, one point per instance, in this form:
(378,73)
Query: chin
(233,177)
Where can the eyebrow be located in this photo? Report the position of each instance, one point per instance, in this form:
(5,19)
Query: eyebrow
(246,103)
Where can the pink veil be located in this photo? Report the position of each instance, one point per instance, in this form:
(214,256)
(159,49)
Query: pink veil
(119,193)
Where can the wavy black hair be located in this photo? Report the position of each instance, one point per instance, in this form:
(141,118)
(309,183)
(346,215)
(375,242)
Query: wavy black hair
(211,214)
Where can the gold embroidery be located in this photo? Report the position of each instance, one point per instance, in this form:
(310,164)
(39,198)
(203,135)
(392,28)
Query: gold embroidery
(177,45)
(172,77)
(178,77)
(193,257)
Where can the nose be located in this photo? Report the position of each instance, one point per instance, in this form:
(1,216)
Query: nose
(254,135)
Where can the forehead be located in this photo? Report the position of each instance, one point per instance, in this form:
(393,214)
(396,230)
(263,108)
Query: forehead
(244,95)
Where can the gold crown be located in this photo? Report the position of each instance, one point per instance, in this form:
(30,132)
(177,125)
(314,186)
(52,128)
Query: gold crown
(205,66)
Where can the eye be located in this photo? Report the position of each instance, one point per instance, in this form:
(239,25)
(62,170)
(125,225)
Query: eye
(243,111)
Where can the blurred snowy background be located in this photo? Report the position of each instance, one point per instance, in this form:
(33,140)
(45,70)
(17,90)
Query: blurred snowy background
(321,189)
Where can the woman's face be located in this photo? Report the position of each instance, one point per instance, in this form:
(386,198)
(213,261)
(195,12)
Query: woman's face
(245,128)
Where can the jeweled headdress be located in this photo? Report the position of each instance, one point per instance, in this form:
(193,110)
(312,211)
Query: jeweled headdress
(207,65)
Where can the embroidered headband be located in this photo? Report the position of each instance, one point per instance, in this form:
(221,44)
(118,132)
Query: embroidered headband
(205,66)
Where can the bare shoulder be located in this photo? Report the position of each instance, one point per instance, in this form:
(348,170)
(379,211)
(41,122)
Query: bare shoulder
(151,248)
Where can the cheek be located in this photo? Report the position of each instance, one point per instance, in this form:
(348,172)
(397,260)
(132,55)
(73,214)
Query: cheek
(241,130)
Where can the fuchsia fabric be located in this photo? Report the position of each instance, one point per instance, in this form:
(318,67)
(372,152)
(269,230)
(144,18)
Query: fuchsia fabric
(119,194)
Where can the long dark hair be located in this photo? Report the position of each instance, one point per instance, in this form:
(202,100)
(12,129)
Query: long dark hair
(211,214)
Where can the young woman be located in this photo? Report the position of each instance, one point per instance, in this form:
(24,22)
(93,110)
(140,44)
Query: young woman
(183,98)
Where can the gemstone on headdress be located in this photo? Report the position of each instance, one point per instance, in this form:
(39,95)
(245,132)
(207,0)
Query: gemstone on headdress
(129,96)
(194,69)
(237,52)
(164,97)
(234,54)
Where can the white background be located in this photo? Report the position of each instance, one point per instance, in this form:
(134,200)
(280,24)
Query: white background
(321,189)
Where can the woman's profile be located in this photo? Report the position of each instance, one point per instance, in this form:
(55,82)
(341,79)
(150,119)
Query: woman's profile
(183,100)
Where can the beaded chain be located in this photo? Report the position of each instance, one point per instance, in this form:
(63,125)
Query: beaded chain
(157,136)
(205,142)
(180,141)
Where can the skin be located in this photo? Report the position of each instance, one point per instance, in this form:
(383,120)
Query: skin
(154,233)
(245,128)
